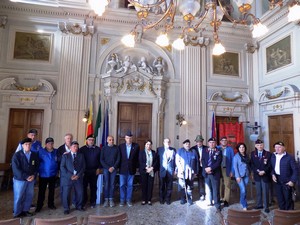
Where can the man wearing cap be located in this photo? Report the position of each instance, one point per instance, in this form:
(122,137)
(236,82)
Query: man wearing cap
(91,154)
(199,148)
(226,170)
(166,159)
(261,169)
(129,153)
(110,160)
(36,144)
(25,165)
(48,170)
(211,162)
(72,169)
(187,164)
(285,175)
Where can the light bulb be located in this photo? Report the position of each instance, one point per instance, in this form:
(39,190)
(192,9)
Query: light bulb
(259,30)
(294,13)
(162,40)
(178,44)
(218,49)
(129,40)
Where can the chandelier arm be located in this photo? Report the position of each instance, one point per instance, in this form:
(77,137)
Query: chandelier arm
(147,27)
(137,4)
(201,19)
(231,19)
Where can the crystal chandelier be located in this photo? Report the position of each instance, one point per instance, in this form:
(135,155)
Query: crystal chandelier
(161,13)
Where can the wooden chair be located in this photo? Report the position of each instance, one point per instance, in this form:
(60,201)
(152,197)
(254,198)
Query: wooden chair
(242,217)
(56,221)
(286,217)
(117,219)
(16,221)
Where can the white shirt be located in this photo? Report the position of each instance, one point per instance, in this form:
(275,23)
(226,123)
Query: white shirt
(277,163)
(200,154)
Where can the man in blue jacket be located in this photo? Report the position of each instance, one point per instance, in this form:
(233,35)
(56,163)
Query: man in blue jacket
(47,174)
(285,175)
(166,160)
(226,169)
(187,164)
(36,144)
(25,165)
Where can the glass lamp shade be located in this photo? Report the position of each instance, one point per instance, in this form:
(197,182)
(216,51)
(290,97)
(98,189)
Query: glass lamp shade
(294,13)
(128,40)
(259,30)
(218,49)
(241,2)
(162,40)
(189,7)
(210,14)
(178,44)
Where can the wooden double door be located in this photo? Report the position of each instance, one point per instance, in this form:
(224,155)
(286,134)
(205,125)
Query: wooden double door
(137,118)
(281,128)
(20,122)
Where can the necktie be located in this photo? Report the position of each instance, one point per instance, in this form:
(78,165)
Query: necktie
(259,155)
(209,158)
(75,161)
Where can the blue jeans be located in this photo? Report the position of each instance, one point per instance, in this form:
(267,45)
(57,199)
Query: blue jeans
(109,183)
(23,195)
(126,187)
(243,191)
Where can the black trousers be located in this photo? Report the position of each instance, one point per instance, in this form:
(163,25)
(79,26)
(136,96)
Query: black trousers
(43,182)
(284,196)
(147,186)
(90,179)
(165,187)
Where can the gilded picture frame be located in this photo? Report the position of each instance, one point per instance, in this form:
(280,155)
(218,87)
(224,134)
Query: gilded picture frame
(279,54)
(32,46)
(227,64)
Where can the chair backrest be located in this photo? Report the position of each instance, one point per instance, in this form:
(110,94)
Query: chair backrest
(286,217)
(117,219)
(56,221)
(243,217)
(16,221)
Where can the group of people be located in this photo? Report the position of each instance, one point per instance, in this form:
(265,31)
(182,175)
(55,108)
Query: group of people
(212,166)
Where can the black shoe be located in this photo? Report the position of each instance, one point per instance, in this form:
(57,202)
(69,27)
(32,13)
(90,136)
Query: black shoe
(168,202)
(28,213)
(143,203)
(20,215)
(182,201)
(38,210)
(267,210)
(149,203)
(226,204)
(80,209)
(52,207)
(211,204)
(258,207)
(190,202)
(162,202)
(66,212)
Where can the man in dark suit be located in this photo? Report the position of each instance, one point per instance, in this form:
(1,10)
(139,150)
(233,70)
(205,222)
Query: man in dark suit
(129,163)
(166,160)
(199,148)
(25,165)
(261,168)
(285,175)
(211,162)
(72,168)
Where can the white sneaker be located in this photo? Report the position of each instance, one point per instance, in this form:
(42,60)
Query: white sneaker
(105,204)
(111,203)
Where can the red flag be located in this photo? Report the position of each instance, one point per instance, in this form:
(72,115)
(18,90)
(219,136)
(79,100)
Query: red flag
(89,129)
(213,126)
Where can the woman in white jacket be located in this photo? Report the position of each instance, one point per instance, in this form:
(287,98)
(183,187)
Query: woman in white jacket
(241,165)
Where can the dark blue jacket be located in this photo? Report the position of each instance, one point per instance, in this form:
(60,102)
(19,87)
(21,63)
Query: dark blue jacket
(216,158)
(48,163)
(166,165)
(187,163)
(129,165)
(92,158)
(262,164)
(288,168)
(110,156)
(22,169)
(228,158)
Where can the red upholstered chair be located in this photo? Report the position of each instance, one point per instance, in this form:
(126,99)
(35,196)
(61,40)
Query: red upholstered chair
(56,221)
(10,222)
(117,219)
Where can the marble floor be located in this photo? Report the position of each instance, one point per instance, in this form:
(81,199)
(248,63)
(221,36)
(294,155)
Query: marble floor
(157,214)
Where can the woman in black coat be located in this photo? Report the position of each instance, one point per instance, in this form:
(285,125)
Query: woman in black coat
(147,163)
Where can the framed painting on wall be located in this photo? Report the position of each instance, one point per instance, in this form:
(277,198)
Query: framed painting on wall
(226,64)
(279,54)
(32,46)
